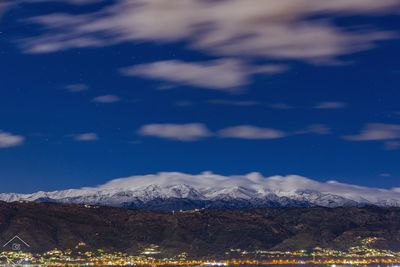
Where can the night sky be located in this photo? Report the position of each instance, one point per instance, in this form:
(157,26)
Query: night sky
(95,90)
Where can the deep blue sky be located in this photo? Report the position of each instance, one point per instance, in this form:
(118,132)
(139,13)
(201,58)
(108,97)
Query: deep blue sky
(309,90)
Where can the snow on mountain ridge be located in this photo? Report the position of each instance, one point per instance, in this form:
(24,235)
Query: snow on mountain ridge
(280,185)
(208,186)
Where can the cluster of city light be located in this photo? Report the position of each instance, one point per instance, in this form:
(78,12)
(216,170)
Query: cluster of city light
(153,255)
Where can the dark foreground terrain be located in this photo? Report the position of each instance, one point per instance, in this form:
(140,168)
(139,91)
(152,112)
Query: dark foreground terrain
(46,226)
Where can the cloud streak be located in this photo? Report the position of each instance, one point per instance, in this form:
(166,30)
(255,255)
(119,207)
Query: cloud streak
(106,99)
(179,132)
(331,105)
(376,132)
(199,131)
(218,75)
(389,134)
(85,137)
(250,132)
(266,28)
(8,140)
(77,87)
(224,74)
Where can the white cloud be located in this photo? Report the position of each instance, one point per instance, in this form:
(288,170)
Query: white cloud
(10,140)
(251,132)
(77,87)
(331,105)
(255,132)
(106,99)
(197,131)
(265,28)
(85,137)
(224,74)
(319,129)
(376,132)
(180,132)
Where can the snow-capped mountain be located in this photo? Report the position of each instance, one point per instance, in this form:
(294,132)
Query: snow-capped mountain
(174,190)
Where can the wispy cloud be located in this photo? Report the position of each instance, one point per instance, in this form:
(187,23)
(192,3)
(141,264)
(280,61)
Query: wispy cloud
(106,99)
(77,87)
(10,140)
(219,75)
(266,28)
(251,132)
(376,132)
(198,131)
(330,105)
(281,31)
(85,137)
(224,74)
(180,132)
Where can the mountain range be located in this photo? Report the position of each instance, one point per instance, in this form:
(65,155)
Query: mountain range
(175,191)
(45,226)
